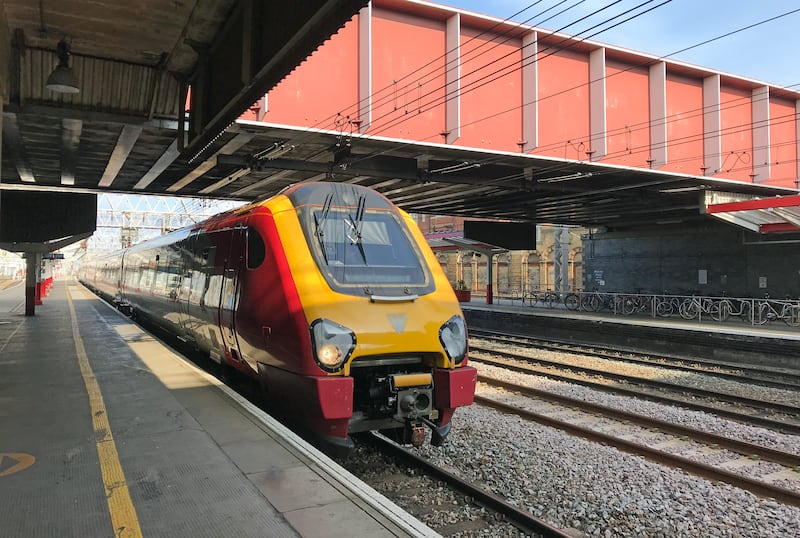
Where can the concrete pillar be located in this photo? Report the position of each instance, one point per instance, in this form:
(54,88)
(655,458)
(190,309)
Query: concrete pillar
(1,133)
(32,262)
(39,279)
(47,277)
(489,279)
(561,259)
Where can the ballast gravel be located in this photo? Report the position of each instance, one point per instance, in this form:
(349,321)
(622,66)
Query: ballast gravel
(676,415)
(596,490)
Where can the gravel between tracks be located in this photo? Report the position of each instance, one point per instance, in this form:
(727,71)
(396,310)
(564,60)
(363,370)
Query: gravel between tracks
(688,379)
(600,490)
(676,415)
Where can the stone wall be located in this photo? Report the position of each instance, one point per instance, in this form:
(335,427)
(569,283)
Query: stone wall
(518,271)
(710,259)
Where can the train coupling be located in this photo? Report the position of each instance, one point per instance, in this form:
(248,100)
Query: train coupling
(414,432)
(417,434)
(414,395)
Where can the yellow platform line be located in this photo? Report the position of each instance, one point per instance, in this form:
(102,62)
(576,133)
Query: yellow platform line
(123,514)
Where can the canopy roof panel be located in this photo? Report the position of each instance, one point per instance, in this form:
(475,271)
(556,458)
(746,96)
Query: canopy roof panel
(762,215)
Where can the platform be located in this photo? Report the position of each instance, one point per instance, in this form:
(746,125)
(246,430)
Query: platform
(104,431)
(775,345)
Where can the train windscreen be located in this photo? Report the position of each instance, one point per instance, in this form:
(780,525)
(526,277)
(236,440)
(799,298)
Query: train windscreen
(361,251)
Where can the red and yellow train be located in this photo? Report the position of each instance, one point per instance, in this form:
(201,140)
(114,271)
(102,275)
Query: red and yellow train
(327,293)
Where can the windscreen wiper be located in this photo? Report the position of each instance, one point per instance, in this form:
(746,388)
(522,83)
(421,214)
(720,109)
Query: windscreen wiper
(355,228)
(320,224)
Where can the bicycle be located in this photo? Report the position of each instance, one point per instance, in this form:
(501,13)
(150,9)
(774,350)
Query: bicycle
(550,298)
(632,304)
(530,297)
(771,309)
(694,307)
(572,301)
(615,302)
(593,302)
(666,305)
(727,307)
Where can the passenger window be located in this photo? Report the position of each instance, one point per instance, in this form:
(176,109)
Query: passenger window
(256,251)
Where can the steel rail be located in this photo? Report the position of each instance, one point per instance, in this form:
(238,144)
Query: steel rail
(609,353)
(731,398)
(734,445)
(706,471)
(750,419)
(520,518)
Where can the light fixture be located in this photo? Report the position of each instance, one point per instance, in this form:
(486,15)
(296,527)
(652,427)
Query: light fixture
(62,79)
(568,177)
(276,150)
(679,190)
(456,168)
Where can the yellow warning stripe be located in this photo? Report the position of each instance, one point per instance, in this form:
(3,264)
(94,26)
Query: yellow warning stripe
(123,514)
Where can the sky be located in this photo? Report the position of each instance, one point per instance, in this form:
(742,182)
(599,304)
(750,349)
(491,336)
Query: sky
(768,52)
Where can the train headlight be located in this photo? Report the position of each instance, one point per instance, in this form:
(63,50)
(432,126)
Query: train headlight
(453,336)
(333,344)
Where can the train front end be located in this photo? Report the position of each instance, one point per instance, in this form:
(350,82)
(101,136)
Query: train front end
(388,340)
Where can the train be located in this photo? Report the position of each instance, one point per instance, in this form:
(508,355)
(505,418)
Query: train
(327,294)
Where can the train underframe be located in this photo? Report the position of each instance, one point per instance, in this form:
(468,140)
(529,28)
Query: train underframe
(399,399)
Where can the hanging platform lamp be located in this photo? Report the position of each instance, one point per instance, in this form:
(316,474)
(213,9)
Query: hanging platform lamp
(62,79)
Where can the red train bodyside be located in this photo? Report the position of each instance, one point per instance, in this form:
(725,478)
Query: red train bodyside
(255,287)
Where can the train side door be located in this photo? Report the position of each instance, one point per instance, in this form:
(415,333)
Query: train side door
(230,292)
(184,255)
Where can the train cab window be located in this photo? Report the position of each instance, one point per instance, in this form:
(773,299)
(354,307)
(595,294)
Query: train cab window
(373,252)
(256,251)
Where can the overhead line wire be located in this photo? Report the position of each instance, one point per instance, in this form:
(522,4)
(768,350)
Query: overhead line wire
(571,40)
(651,122)
(332,119)
(604,77)
(566,39)
(682,50)
(507,70)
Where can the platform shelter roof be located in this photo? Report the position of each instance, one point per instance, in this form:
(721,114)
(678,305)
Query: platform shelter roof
(444,179)
(763,215)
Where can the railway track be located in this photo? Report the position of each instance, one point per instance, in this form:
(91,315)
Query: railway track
(776,416)
(489,512)
(767,377)
(665,441)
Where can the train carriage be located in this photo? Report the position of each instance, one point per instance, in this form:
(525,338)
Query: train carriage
(327,293)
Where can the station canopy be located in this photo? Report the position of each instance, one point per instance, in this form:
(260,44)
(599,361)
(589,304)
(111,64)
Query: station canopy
(762,215)
(250,160)
(136,141)
(442,179)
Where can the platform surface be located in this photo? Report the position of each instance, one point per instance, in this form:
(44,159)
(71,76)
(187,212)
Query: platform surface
(732,326)
(733,342)
(104,431)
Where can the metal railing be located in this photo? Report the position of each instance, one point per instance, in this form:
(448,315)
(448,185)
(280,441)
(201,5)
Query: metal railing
(750,310)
